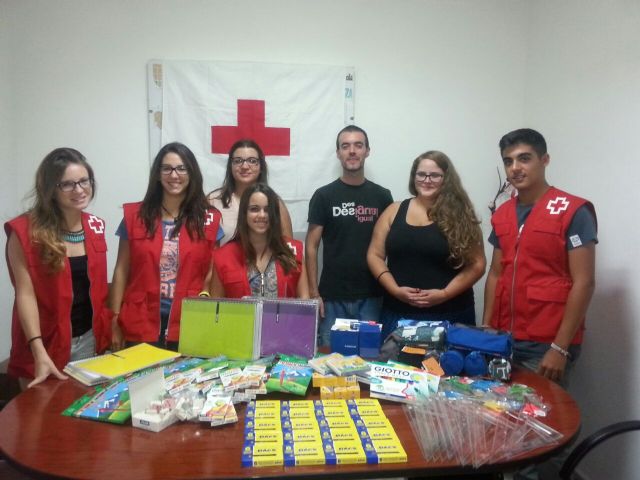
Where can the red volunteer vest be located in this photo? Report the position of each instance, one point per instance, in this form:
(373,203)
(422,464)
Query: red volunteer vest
(140,310)
(231,266)
(54,295)
(535,276)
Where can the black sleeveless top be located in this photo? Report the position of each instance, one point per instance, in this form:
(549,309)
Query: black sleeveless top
(81,309)
(419,257)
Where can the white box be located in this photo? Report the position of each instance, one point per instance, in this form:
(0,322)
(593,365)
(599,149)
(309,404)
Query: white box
(142,391)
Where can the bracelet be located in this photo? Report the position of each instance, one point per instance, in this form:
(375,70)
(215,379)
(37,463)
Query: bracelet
(204,293)
(33,338)
(378,277)
(560,350)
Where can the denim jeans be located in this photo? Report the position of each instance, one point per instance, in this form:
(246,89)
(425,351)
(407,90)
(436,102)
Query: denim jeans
(529,355)
(362,309)
(83,346)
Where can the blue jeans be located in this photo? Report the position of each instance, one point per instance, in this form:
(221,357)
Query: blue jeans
(83,346)
(362,309)
(529,355)
(389,318)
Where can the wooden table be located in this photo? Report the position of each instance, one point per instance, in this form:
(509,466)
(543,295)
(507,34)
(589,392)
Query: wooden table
(36,439)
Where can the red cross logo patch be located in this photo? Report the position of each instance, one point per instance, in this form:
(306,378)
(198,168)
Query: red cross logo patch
(293,248)
(208,220)
(96,224)
(557,205)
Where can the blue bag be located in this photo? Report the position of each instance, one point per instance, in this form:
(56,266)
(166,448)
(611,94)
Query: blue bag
(478,339)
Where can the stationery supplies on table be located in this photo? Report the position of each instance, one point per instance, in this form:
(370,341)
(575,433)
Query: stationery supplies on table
(288,326)
(111,365)
(151,408)
(217,326)
(305,432)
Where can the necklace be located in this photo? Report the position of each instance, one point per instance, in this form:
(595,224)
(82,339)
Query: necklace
(175,219)
(73,237)
(262,274)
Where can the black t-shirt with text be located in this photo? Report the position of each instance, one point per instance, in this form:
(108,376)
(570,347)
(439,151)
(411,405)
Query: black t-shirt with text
(347,214)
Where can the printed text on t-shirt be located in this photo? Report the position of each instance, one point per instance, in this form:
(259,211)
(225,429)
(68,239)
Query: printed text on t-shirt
(360,212)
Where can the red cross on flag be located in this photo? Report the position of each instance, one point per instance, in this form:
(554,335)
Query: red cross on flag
(293,111)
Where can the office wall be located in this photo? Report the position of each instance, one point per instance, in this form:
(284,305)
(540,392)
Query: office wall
(582,80)
(450,75)
(425,78)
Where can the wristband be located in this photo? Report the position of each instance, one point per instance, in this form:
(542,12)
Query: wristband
(204,293)
(560,350)
(33,338)
(378,277)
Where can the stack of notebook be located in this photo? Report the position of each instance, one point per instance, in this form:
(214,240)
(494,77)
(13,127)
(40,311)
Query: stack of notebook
(103,368)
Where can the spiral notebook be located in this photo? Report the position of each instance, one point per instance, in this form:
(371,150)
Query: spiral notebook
(289,326)
(102,368)
(220,326)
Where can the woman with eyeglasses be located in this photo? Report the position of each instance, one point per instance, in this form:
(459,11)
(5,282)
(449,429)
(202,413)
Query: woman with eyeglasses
(56,254)
(426,251)
(245,167)
(165,251)
(259,261)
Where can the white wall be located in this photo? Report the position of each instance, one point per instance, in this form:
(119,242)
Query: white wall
(583,91)
(451,75)
(425,78)
(8,193)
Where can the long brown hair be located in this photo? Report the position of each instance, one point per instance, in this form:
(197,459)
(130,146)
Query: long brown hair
(452,211)
(279,249)
(229,184)
(194,206)
(46,219)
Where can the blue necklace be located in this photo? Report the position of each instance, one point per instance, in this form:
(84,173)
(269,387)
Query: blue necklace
(73,237)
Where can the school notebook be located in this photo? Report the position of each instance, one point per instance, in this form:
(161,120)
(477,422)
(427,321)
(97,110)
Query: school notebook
(122,362)
(289,327)
(215,326)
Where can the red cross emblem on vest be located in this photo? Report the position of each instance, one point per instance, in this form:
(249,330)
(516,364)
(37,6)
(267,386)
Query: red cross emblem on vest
(251,124)
(557,205)
(96,224)
(208,219)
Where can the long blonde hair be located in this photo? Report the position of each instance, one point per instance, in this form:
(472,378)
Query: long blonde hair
(45,217)
(452,211)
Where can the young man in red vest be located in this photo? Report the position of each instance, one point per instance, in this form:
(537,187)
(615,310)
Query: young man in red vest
(542,273)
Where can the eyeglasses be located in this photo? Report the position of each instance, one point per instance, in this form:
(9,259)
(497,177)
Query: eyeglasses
(168,170)
(69,185)
(239,161)
(434,177)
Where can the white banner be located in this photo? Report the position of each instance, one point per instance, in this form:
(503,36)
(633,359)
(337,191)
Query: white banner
(294,112)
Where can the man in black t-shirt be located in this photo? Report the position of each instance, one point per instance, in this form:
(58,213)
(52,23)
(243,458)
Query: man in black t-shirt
(342,214)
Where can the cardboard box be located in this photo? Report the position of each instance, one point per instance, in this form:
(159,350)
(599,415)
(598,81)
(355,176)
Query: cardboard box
(354,337)
(369,339)
(344,336)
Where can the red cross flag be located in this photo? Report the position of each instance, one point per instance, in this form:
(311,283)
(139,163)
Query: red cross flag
(293,111)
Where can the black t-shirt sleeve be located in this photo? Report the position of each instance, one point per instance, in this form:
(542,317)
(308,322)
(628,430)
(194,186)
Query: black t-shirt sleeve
(317,209)
(388,200)
(493,239)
